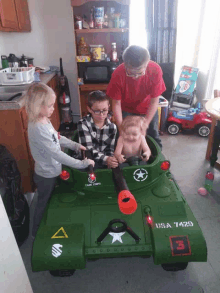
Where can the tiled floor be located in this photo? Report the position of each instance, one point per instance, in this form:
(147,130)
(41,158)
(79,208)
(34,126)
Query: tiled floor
(138,275)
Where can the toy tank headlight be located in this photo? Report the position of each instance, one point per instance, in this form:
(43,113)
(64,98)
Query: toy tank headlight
(92,176)
(149,220)
(165,165)
(65,175)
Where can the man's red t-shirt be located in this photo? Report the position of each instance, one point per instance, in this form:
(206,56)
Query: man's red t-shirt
(135,94)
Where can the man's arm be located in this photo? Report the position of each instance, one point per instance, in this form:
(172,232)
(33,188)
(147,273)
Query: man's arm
(151,111)
(117,112)
(145,148)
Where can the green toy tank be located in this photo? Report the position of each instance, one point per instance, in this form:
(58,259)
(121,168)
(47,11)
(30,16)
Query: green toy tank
(84,220)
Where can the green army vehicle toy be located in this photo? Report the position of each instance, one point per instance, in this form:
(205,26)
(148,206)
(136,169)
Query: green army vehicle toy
(137,211)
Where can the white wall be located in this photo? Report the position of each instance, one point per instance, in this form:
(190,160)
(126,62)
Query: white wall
(13,276)
(51,37)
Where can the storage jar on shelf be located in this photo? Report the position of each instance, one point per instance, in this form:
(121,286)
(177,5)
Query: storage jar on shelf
(83,49)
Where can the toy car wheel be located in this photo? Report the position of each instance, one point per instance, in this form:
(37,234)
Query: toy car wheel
(203,130)
(62,273)
(173,128)
(174,267)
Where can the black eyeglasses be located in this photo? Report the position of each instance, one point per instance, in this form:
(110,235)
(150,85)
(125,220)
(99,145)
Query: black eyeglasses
(99,112)
(136,75)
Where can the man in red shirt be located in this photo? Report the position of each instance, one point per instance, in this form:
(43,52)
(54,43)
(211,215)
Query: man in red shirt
(135,87)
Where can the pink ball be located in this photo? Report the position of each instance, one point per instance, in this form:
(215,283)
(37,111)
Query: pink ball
(202,191)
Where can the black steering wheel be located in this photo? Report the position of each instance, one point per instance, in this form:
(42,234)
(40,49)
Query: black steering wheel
(134,160)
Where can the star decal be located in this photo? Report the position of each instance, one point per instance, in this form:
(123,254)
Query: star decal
(117,236)
(140,174)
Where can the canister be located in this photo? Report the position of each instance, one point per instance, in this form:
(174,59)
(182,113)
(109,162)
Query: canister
(96,52)
(99,16)
(4,61)
(78,24)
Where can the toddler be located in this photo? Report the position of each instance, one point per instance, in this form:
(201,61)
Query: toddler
(45,145)
(131,141)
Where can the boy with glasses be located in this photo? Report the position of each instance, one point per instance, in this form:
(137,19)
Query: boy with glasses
(97,133)
(135,87)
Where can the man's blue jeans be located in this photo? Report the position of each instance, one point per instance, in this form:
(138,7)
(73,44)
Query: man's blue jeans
(153,127)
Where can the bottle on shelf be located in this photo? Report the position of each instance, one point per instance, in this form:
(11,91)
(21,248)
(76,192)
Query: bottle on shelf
(111,17)
(83,49)
(114,57)
(105,24)
(91,21)
(103,53)
(117,20)
(122,51)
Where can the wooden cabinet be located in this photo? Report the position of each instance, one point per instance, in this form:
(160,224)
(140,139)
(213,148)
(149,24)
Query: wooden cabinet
(14,16)
(104,36)
(13,125)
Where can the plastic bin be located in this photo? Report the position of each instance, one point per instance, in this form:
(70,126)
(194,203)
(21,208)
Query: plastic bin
(162,112)
(17,75)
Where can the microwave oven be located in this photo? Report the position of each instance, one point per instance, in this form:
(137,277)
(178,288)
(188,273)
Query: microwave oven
(96,72)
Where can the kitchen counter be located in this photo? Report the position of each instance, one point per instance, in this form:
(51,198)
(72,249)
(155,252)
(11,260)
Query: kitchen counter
(19,102)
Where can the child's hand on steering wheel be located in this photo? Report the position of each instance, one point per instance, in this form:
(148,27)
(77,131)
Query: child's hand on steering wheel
(82,148)
(146,155)
(91,162)
(121,159)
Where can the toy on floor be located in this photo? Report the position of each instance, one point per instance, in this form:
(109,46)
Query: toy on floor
(209,178)
(191,118)
(184,95)
(138,211)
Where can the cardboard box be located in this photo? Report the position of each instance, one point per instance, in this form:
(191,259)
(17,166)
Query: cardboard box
(83,58)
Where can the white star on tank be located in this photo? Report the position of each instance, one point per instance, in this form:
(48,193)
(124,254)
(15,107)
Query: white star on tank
(140,174)
(117,236)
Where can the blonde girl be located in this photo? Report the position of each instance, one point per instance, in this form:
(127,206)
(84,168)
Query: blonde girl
(45,145)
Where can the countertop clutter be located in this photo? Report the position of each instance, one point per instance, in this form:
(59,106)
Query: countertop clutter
(18,102)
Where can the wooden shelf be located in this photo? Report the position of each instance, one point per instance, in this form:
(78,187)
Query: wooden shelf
(81,2)
(104,30)
(93,87)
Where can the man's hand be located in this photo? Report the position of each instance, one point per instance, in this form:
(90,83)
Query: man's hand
(112,162)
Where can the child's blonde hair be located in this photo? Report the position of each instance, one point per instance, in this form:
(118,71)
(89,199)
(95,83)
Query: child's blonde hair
(131,121)
(38,95)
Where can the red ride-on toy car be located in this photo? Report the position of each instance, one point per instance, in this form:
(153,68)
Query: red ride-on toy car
(191,118)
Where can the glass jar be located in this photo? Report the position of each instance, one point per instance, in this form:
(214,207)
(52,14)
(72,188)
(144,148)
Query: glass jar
(96,52)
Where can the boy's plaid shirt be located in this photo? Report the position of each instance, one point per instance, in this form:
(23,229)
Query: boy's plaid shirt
(100,141)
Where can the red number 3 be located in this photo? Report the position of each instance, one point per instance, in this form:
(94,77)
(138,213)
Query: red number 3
(181,245)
